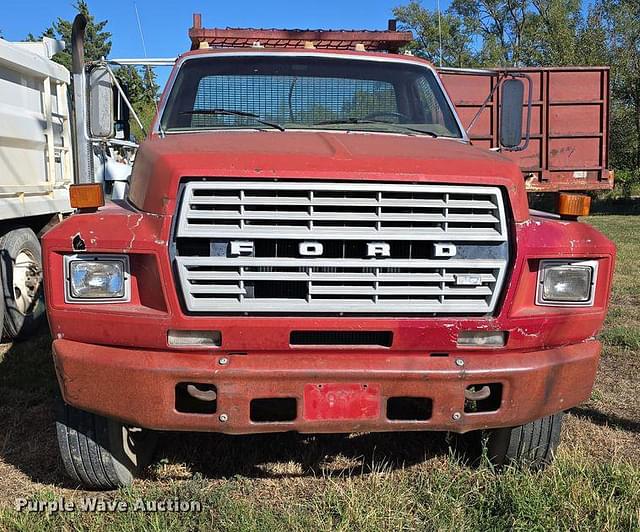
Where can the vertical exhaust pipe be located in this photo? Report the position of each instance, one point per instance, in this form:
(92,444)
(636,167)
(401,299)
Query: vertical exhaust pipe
(83,160)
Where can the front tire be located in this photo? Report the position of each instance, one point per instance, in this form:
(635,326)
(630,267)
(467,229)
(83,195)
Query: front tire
(98,452)
(532,445)
(21,263)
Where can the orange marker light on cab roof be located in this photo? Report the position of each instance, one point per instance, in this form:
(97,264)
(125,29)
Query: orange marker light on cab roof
(573,205)
(88,196)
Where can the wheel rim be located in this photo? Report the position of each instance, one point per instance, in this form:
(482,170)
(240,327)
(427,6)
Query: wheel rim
(26,282)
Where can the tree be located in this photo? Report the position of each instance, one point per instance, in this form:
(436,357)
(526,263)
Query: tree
(140,85)
(556,28)
(496,32)
(431,30)
(621,19)
(142,91)
(97,41)
(500,24)
(591,46)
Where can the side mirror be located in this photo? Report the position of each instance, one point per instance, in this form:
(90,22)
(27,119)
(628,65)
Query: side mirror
(512,100)
(101,104)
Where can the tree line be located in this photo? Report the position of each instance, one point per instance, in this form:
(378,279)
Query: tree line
(519,33)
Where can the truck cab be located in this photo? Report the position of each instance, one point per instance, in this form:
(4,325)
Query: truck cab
(310,242)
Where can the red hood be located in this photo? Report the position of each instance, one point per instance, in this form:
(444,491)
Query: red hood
(161,163)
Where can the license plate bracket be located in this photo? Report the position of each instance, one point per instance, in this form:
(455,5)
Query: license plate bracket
(341,401)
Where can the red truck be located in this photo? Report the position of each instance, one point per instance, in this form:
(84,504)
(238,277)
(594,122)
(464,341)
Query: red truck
(312,243)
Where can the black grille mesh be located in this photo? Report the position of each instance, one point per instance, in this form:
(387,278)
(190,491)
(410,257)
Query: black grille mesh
(380,338)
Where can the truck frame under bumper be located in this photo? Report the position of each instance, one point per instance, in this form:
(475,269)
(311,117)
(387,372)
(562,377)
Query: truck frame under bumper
(323,390)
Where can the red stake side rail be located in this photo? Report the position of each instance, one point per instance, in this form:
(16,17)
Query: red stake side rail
(374,41)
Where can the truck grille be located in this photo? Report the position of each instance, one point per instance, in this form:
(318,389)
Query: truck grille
(416,226)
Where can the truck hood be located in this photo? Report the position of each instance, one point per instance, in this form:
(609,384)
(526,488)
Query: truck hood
(162,162)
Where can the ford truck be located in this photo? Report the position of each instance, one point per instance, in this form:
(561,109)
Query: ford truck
(310,242)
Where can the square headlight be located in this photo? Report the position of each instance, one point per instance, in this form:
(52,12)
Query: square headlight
(97,278)
(566,283)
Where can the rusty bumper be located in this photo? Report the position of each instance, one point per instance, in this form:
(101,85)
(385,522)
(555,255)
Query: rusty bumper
(139,387)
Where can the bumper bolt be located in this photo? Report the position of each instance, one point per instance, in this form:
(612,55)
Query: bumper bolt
(223,361)
(456,416)
(459,362)
(223,418)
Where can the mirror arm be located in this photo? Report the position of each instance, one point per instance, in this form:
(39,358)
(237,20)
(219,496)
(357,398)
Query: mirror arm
(124,96)
(124,143)
(527,136)
(485,103)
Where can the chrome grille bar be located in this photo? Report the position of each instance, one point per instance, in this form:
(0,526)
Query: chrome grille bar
(212,283)
(281,214)
(321,210)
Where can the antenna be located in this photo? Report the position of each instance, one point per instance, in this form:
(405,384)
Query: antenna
(439,29)
(144,47)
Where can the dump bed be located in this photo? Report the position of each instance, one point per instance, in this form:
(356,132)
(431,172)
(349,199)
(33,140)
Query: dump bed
(35,140)
(569,123)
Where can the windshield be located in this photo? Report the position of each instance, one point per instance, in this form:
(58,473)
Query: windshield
(307,92)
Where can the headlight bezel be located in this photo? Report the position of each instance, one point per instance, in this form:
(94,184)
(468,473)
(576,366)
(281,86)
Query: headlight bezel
(123,260)
(544,265)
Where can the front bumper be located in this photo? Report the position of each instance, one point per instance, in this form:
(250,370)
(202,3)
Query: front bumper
(139,386)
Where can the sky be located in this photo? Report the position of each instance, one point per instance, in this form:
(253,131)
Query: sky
(165,22)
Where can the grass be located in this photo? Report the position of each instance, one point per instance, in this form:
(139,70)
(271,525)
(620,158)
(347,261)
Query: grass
(622,328)
(360,482)
(574,494)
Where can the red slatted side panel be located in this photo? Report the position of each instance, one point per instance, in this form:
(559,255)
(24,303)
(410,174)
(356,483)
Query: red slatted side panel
(569,124)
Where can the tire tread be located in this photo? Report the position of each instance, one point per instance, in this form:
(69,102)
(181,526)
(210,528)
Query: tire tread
(532,444)
(87,449)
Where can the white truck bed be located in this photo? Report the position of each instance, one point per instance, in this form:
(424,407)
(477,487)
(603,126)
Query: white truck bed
(36,166)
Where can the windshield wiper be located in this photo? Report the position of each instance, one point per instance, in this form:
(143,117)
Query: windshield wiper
(232,112)
(353,120)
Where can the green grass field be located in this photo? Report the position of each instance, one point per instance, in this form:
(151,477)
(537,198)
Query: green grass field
(405,481)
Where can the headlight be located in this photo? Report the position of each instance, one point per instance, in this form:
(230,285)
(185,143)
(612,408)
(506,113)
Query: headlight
(566,283)
(96,278)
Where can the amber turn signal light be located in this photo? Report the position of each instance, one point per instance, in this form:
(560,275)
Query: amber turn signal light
(573,205)
(87,196)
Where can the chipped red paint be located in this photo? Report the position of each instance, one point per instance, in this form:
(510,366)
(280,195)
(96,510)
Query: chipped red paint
(107,347)
(114,359)
(137,386)
(154,306)
(331,401)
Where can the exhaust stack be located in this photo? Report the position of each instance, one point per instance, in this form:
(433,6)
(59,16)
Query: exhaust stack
(83,161)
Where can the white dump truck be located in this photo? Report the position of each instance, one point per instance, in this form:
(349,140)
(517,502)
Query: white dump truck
(36,169)
(46,145)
